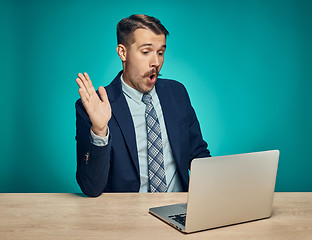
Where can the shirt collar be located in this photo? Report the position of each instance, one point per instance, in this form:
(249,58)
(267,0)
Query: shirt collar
(134,94)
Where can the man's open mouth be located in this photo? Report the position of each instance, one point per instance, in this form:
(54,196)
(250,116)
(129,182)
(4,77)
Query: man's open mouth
(152,77)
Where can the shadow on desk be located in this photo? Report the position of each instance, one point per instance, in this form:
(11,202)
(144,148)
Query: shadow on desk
(80,195)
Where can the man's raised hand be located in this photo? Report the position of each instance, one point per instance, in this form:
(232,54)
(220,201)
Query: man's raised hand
(98,109)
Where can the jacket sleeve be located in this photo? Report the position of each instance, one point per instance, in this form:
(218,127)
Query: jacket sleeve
(198,146)
(93,162)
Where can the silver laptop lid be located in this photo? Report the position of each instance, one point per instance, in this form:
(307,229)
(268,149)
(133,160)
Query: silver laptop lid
(230,189)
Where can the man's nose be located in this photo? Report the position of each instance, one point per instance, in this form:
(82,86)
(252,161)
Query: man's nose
(155,61)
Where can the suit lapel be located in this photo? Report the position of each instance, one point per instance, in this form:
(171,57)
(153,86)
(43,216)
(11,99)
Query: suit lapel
(121,113)
(169,110)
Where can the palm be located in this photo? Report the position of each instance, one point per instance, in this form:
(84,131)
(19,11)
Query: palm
(98,111)
(98,108)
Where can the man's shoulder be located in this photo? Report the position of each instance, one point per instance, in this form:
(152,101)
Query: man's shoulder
(170,83)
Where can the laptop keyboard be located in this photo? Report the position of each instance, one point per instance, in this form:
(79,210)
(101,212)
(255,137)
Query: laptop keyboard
(180,218)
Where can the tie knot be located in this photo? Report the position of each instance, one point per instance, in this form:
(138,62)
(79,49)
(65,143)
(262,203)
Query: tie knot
(147,98)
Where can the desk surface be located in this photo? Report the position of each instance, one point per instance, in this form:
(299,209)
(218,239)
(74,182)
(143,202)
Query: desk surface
(125,216)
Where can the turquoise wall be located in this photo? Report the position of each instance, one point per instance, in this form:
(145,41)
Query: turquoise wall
(246,64)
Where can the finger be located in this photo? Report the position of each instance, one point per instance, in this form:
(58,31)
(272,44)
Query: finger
(103,94)
(83,97)
(85,83)
(91,89)
(82,91)
(80,83)
(81,76)
(88,79)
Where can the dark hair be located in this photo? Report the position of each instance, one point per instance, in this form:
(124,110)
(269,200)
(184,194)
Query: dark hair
(127,26)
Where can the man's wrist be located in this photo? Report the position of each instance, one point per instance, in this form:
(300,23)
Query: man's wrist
(100,132)
(99,141)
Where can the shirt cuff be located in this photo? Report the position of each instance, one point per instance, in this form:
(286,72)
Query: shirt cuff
(99,141)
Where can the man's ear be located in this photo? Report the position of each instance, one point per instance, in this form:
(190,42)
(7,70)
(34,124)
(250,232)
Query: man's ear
(122,52)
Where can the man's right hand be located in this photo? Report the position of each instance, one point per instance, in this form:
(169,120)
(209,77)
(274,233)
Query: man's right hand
(99,110)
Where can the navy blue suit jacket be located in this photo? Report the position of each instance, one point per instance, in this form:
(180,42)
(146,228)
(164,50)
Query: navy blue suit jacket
(115,167)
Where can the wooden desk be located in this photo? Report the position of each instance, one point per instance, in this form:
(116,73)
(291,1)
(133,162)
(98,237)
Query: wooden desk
(125,216)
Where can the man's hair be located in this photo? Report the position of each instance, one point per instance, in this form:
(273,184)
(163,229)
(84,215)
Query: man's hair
(127,26)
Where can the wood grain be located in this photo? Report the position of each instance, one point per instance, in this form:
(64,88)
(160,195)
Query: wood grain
(125,216)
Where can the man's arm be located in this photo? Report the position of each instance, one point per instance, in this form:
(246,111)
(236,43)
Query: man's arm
(93,162)
(196,143)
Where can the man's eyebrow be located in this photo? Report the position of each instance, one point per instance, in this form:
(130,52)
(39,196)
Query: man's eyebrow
(149,45)
(146,45)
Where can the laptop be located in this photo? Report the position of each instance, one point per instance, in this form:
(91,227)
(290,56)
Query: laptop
(223,191)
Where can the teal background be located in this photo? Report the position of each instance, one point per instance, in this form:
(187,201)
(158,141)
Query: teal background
(246,64)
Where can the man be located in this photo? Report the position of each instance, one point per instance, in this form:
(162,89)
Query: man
(140,133)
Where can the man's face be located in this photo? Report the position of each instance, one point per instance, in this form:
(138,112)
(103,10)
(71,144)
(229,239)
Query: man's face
(144,59)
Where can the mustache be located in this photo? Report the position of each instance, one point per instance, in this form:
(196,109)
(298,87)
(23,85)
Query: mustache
(153,71)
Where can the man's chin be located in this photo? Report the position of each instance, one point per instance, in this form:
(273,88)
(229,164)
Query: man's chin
(147,88)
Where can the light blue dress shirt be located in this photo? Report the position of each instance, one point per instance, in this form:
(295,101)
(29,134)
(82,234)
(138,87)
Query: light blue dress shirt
(137,109)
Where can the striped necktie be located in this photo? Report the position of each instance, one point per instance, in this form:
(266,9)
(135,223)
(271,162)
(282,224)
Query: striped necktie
(155,156)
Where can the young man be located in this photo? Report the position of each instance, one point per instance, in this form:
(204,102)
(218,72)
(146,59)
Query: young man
(140,133)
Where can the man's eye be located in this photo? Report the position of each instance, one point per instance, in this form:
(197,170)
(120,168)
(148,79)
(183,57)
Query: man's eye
(145,52)
(160,53)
